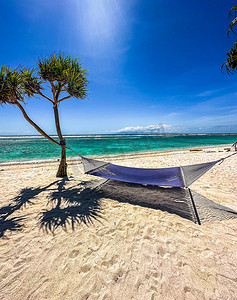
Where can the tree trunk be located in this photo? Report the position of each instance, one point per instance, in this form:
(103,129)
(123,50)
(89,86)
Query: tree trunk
(62,169)
(35,125)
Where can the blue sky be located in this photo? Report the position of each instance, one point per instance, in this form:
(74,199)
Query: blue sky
(150,62)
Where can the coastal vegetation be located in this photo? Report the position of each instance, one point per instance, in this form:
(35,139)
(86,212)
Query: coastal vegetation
(60,73)
(231,63)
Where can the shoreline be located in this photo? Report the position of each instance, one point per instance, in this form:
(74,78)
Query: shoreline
(114,134)
(117,155)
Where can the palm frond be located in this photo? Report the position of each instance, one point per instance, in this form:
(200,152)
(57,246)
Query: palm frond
(64,70)
(231,63)
(233,23)
(234,8)
(32,83)
(17,84)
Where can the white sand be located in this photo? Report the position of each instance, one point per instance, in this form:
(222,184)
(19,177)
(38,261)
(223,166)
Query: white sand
(128,252)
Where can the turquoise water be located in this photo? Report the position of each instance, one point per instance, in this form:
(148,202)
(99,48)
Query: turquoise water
(21,148)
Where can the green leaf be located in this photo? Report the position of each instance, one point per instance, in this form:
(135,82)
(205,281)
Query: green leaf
(64,71)
(17,84)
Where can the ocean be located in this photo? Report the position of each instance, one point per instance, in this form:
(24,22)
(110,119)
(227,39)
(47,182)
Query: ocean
(25,148)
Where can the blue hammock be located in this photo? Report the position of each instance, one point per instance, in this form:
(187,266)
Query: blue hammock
(182,176)
(174,177)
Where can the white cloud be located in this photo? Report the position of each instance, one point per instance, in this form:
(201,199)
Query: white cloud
(216,127)
(156,128)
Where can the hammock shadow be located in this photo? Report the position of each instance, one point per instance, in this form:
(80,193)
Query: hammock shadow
(173,200)
(71,206)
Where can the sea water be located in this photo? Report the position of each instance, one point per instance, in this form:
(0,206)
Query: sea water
(24,148)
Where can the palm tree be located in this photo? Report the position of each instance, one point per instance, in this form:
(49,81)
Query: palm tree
(231,63)
(66,79)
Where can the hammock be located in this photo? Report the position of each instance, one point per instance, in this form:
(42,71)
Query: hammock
(177,177)
(182,176)
(174,177)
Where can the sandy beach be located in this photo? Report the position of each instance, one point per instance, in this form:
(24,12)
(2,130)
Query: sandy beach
(61,242)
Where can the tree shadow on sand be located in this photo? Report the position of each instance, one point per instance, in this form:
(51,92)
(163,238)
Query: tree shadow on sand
(18,202)
(25,196)
(74,205)
(11,224)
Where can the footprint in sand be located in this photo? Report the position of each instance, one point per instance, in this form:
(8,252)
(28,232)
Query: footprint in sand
(85,268)
(95,246)
(19,264)
(118,275)
(74,254)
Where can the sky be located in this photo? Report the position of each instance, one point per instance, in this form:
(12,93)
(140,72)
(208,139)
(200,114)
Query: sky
(153,66)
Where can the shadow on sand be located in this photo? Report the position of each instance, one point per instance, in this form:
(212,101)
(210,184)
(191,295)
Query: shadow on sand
(71,206)
(25,197)
(81,203)
(183,202)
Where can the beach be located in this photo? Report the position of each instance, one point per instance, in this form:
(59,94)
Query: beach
(111,249)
